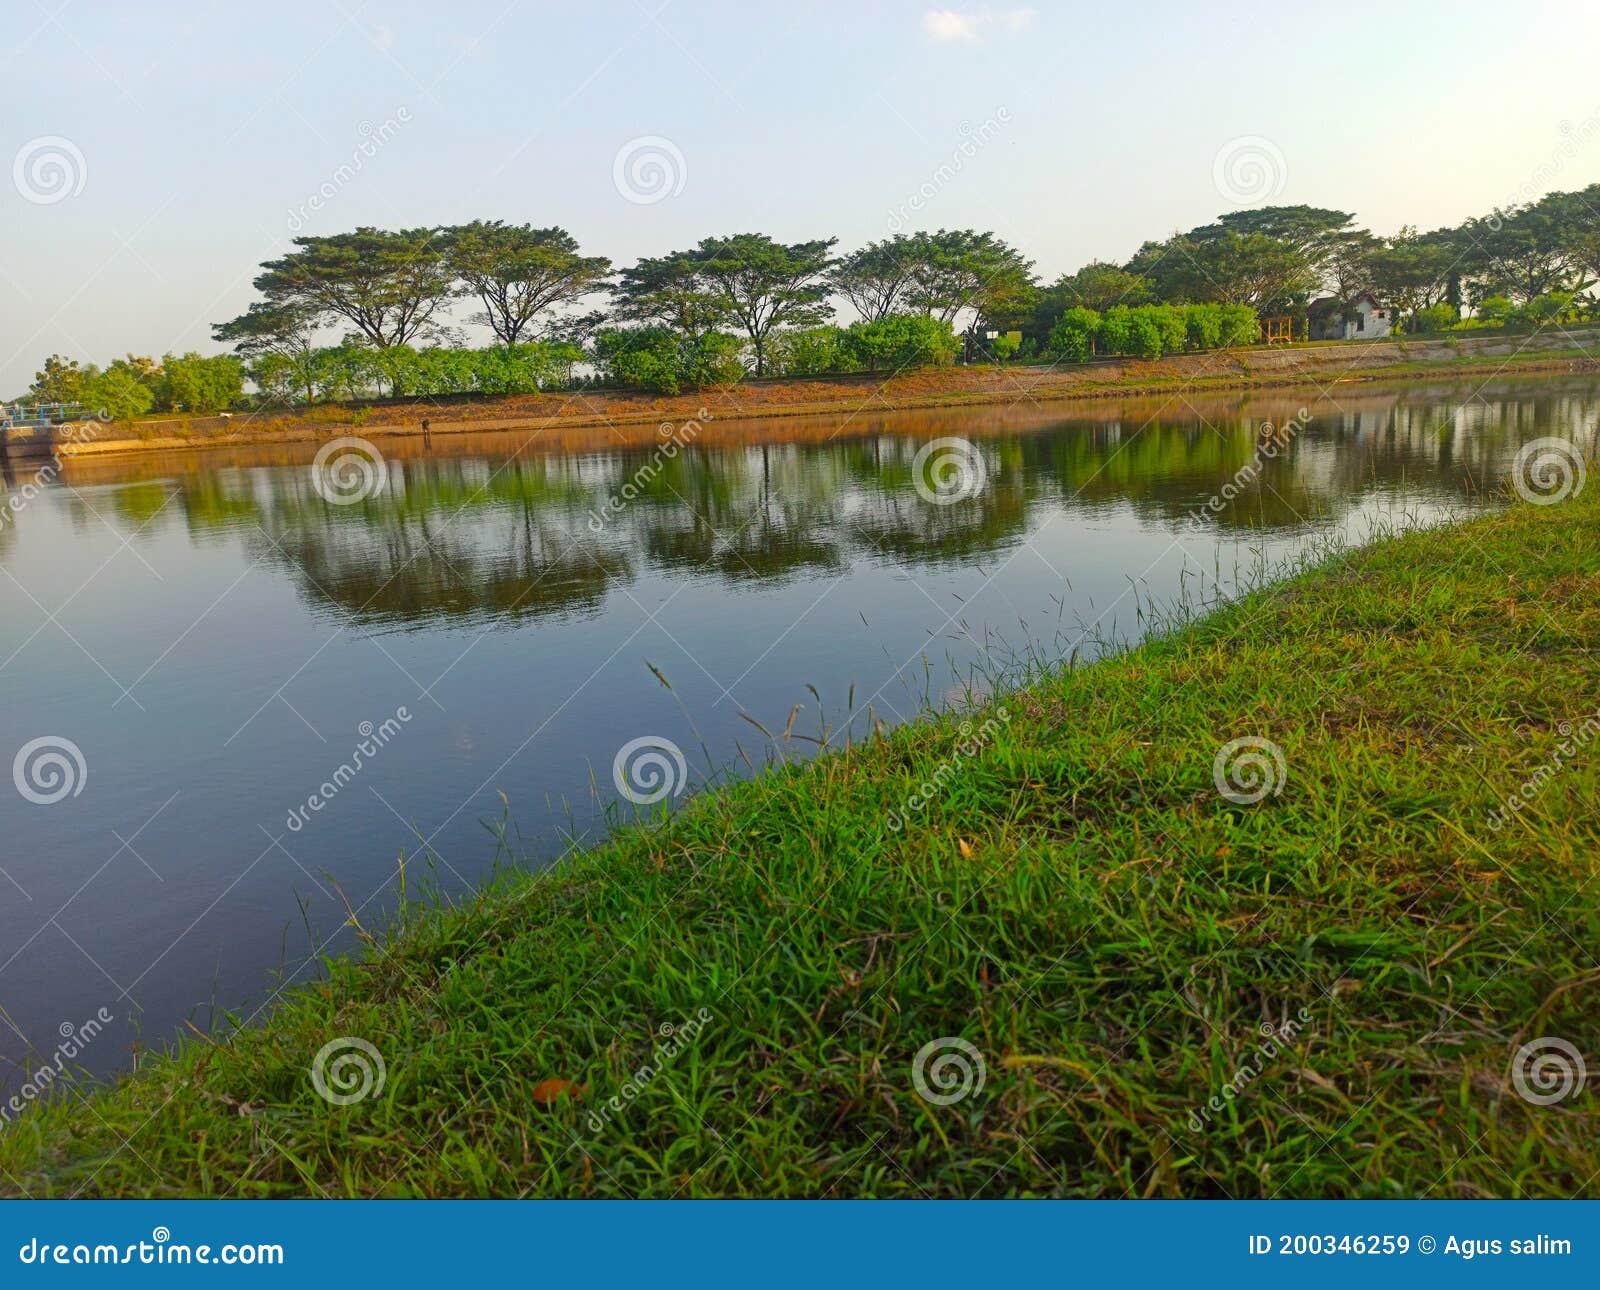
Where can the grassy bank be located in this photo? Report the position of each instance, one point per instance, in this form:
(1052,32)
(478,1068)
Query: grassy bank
(753,981)
(622,417)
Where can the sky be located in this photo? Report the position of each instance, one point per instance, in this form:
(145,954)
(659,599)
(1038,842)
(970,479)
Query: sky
(159,152)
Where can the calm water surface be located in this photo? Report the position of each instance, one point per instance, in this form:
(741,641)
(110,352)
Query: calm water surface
(216,638)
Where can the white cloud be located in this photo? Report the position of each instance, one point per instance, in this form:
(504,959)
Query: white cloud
(947,24)
(953,24)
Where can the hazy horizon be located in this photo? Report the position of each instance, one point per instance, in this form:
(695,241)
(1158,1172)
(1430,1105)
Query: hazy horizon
(159,156)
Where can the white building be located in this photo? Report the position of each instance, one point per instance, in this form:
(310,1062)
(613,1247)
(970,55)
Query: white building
(1363,318)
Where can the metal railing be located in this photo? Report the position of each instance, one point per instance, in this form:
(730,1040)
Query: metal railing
(38,416)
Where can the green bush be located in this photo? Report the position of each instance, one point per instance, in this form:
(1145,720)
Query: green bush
(192,383)
(116,394)
(356,371)
(901,341)
(807,351)
(1241,325)
(1435,318)
(1553,306)
(1073,336)
(660,359)
(1202,326)
(1496,310)
(1144,333)
(1115,329)
(1149,331)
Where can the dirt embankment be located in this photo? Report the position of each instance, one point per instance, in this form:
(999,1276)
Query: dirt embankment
(625,415)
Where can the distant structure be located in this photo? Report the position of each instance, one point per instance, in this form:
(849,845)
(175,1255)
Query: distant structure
(34,421)
(1277,331)
(1363,317)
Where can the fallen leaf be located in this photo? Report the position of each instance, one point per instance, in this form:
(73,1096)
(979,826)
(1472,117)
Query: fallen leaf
(547,1091)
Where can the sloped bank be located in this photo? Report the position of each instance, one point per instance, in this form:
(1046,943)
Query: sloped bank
(1040,954)
(631,417)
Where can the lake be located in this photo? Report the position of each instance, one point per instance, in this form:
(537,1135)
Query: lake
(237,683)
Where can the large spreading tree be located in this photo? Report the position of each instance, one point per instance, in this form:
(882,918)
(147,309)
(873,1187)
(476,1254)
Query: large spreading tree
(877,279)
(746,280)
(1520,253)
(1414,271)
(668,291)
(287,332)
(966,269)
(1234,268)
(762,284)
(388,285)
(519,273)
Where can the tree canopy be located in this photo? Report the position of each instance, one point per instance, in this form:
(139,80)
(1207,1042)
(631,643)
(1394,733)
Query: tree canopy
(519,272)
(747,301)
(745,280)
(388,285)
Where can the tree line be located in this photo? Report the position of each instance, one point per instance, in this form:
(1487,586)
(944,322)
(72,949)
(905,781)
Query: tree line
(134,385)
(749,304)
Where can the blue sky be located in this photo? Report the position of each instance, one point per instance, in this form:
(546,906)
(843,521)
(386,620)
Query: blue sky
(193,137)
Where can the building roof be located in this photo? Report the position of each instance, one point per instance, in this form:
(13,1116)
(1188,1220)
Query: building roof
(1323,304)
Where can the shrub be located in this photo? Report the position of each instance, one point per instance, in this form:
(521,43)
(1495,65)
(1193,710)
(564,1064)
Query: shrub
(1496,310)
(1171,322)
(1202,326)
(1145,335)
(1435,318)
(1073,336)
(1241,325)
(901,341)
(1115,329)
(192,383)
(657,358)
(1548,308)
(807,351)
(1149,331)
(115,394)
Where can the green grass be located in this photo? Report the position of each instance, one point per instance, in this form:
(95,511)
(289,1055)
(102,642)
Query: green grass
(1078,902)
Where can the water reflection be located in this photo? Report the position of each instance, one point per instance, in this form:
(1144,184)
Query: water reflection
(511,533)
